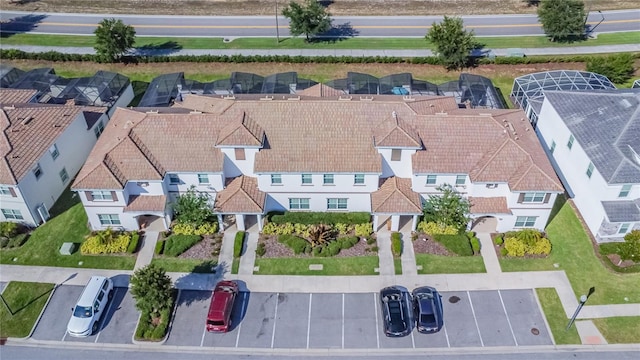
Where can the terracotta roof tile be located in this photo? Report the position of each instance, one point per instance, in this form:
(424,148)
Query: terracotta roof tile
(395,196)
(241,132)
(146,203)
(489,205)
(240,196)
(432,105)
(320,90)
(396,132)
(16,96)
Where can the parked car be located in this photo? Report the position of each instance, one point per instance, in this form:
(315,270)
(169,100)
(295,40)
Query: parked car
(427,307)
(90,307)
(395,312)
(219,315)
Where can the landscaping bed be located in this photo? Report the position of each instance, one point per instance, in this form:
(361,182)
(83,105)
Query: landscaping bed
(276,249)
(201,257)
(26,301)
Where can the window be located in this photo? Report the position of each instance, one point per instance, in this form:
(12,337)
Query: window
(327,179)
(336,204)
(37,171)
(525,221)
(396,154)
(4,190)
(240,154)
(624,192)
(53,150)
(624,228)
(174,179)
(461,179)
(553,147)
(358,179)
(590,170)
(102,195)
(570,142)
(306,179)
(203,178)
(533,197)
(99,129)
(109,219)
(101,296)
(12,214)
(431,179)
(298,203)
(64,176)
(276,179)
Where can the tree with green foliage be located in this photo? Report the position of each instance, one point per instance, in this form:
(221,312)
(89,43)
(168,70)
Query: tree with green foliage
(113,39)
(193,208)
(453,44)
(630,248)
(447,209)
(562,20)
(617,67)
(309,18)
(151,288)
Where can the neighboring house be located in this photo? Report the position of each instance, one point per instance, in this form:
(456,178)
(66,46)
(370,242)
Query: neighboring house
(254,154)
(593,139)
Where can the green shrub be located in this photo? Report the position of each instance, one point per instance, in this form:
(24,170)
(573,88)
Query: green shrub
(515,247)
(371,240)
(133,244)
(314,218)
(159,247)
(617,67)
(316,251)
(458,244)
(238,244)
(342,229)
(4,242)
(261,249)
(146,330)
(374,248)
(542,247)
(630,248)
(498,240)
(109,242)
(363,230)
(177,244)
(8,229)
(15,241)
(528,236)
(207,228)
(396,243)
(475,245)
(433,228)
(296,244)
(279,229)
(347,241)
(504,251)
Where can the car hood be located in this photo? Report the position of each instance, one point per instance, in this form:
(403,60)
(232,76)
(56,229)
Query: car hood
(79,325)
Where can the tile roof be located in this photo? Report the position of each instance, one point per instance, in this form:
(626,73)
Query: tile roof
(141,203)
(320,90)
(241,195)
(16,96)
(29,130)
(395,196)
(394,131)
(489,205)
(621,211)
(242,131)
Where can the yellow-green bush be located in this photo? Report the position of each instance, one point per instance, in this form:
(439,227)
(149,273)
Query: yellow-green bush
(301,229)
(542,247)
(514,247)
(94,245)
(432,228)
(342,229)
(189,229)
(278,229)
(519,247)
(207,229)
(363,230)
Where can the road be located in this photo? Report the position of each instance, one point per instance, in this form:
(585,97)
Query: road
(261,26)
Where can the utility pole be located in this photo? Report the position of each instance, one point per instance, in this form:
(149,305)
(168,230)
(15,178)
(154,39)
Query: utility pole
(277,28)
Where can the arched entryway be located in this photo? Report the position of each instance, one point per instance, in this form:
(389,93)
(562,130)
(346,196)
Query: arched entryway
(484,224)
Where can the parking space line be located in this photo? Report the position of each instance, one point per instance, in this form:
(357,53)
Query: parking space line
(375,307)
(204,332)
(309,319)
(65,335)
(413,341)
(508,321)
(275,319)
(446,335)
(244,303)
(343,320)
(474,319)
(105,314)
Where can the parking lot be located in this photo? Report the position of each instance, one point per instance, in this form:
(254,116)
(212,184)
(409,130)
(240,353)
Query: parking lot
(316,321)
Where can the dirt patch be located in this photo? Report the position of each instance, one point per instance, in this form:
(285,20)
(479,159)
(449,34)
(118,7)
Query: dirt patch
(268,7)
(424,244)
(617,261)
(206,249)
(275,249)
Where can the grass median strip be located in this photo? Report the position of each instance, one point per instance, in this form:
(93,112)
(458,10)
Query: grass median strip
(619,330)
(24,302)
(556,317)
(361,265)
(439,264)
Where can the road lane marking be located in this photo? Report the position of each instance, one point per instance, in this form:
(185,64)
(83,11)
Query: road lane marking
(343,320)
(244,303)
(275,318)
(309,319)
(474,319)
(507,315)
(375,307)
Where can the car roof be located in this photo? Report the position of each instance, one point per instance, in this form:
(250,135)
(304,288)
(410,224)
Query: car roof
(91,290)
(220,301)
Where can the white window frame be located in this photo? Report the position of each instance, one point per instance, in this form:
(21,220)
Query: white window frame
(624,192)
(570,142)
(328,179)
(64,175)
(12,214)
(337,203)
(4,190)
(98,129)
(37,171)
(461,180)
(590,169)
(109,219)
(431,180)
(624,228)
(100,195)
(358,179)
(53,150)
(203,179)
(276,179)
(525,221)
(533,197)
(299,204)
(174,179)
(306,179)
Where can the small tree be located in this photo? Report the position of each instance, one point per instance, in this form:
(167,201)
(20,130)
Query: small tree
(113,39)
(310,18)
(630,248)
(562,20)
(193,207)
(447,209)
(618,67)
(152,289)
(453,44)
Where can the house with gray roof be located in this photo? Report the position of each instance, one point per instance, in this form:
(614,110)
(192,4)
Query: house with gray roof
(593,140)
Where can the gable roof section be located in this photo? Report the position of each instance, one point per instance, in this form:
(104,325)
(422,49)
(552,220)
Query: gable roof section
(241,195)
(489,205)
(396,132)
(207,104)
(241,132)
(16,96)
(320,90)
(395,196)
(434,105)
(607,127)
(141,203)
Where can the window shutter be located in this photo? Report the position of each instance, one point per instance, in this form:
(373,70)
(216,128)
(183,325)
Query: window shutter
(114,196)
(88,195)
(13,192)
(521,198)
(546,197)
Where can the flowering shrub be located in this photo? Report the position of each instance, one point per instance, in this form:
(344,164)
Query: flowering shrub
(363,230)
(189,229)
(117,243)
(433,228)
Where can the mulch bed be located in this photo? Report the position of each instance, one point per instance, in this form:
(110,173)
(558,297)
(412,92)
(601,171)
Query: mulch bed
(424,244)
(204,249)
(617,261)
(277,250)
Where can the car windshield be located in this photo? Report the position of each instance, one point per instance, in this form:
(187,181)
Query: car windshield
(427,319)
(82,312)
(215,322)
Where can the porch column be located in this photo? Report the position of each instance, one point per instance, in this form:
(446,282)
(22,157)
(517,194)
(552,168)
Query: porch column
(375,223)
(414,223)
(220,223)
(240,222)
(395,222)
(259,216)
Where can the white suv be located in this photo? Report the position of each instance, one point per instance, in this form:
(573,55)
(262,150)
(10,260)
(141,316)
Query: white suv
(90,307)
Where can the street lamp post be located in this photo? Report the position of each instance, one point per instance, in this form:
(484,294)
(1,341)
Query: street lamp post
(583,299)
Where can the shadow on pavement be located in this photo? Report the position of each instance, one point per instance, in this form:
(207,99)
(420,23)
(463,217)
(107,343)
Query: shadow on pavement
(20,25)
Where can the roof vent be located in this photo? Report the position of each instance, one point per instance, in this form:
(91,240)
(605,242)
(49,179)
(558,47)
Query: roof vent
(11,107)
(152,111)
(227,97)
(294,98)
(625,103)
(394,114)
(57,125)
(346,98)
(409,98)
(267,98)
(431,105)
(66,115)
(195,112)
(27,120)
(366,98)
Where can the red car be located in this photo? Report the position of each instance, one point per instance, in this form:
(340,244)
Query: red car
(219,316)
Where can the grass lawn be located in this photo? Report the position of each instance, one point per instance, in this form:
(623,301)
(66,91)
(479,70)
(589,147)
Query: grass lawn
(361,265)
(620,330)
(390,43)
(68,223)
(235,265)
(26,301)
(397,265)
(573,251)
(172,264)
(439,264)
(556,317)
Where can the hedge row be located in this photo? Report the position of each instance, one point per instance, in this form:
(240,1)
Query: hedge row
(238,244)
(396,244)
(175,245)
(458,244)
(312,218)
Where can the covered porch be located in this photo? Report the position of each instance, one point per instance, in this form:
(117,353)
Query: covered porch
(240,204)
(486,213)
(395,205)
(149,212)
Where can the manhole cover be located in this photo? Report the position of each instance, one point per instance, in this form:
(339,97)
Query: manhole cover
(454,299)
(535,331)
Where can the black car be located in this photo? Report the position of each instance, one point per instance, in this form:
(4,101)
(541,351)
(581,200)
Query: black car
(427,307)
(395,311)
